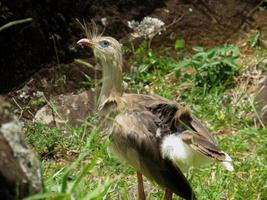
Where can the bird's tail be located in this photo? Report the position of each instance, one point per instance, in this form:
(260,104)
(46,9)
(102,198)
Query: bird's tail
(227,163)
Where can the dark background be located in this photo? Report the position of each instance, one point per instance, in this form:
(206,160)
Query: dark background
(29,47)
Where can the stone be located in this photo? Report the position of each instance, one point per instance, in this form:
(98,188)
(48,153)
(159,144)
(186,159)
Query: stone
(261,93)
(264,114)
(20,170)
(261,99)
(262,65)
(66,109)
(263,43)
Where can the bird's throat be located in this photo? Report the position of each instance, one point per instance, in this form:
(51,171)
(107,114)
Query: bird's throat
(111,82)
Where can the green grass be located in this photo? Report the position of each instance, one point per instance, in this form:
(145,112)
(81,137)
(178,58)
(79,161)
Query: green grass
(80,168)
(248,181)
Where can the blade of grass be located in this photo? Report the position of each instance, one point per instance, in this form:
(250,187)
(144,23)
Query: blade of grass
(99,192)
(81,157)
(255,111)
(49,195)
(79,61)
(88,168)
(14,23)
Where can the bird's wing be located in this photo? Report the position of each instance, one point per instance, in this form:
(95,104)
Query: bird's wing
(202,145)
(190,130)
(137,137)
(180,118)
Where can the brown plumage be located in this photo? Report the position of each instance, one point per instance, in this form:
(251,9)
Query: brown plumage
(156,136)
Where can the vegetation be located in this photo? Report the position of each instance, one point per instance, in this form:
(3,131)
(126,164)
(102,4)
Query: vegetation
(213,67)
(80,167)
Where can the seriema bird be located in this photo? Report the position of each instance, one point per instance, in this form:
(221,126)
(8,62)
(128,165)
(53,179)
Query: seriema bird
(158,137)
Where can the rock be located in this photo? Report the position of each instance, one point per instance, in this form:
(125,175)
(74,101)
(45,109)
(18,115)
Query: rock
(264,114)
(261,99)
(262,65)
(261,95)
(263,43)
(66,109)
(20,172)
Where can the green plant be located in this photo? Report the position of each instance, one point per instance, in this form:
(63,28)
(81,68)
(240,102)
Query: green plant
(148,66)
(70,182)
(43,139)
(15,23)
(213,67)
(254,38)
(89,81)
(38,101)
(179,44)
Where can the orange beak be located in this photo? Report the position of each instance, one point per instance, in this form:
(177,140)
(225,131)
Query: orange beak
(85,42)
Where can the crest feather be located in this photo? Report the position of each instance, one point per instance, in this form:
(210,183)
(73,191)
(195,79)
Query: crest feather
(90,29)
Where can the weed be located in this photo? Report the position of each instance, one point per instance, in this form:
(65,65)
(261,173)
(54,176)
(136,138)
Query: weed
(61,80)
(148,66)
(14,23)
(179,44)
(213,67)
(254,39)
(43,139)
(38,101)
(71,181)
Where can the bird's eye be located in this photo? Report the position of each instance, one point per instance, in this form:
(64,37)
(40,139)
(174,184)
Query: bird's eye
(104,43)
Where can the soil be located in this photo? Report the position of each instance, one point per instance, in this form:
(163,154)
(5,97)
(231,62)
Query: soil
(39,55)
(207,23)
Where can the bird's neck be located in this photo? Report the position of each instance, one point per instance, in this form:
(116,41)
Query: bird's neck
(112,81)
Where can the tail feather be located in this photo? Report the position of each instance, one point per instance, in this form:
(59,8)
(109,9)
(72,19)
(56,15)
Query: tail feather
(227,163)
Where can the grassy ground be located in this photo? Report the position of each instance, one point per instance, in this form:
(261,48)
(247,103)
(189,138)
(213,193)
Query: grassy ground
(79,167)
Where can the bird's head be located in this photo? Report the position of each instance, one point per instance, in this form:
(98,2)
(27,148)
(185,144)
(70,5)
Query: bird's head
(106,49)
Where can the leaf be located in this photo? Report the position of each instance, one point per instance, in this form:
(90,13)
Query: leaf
(235,52)
(177,73)
(99,192)
(212,52)
(204,67)
(184,63)
(198,49)
(143,68)
(179,44)
(202,56)
(79,61)
(215,63)
(49,195)
(229,62)
(254,38)
(88,168)
(14,23)
(68,170)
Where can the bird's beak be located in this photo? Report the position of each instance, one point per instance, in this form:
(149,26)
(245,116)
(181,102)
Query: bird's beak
(85,42)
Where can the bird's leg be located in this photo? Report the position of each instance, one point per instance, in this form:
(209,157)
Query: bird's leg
(141,192)
(168,195)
